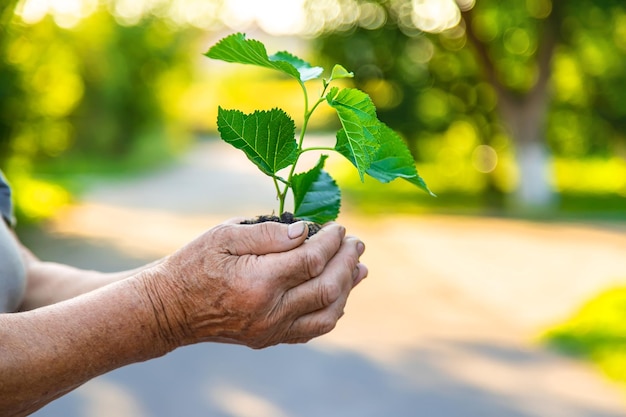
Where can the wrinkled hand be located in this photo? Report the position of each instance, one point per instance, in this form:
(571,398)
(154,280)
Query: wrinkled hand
(257,285)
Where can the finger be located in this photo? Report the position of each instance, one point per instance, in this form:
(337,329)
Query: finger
(333,284)
(304,262)
(317,323)
(264,238)
(236,220)
(359,274)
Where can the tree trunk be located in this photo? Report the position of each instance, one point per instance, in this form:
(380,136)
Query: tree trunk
(534,190)
(525,119)
(524,116)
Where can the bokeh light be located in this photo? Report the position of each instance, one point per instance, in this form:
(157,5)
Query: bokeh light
(435,15)
(276,17)
(485,159)
(66,13)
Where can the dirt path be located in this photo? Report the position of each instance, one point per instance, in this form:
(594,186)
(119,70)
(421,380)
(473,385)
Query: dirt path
(444,326)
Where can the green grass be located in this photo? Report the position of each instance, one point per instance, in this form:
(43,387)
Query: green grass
(597,333)
(374,198)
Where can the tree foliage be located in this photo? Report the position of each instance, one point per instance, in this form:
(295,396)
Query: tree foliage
(98,88)
(536,71)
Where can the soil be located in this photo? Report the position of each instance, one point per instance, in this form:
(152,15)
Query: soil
(286,218)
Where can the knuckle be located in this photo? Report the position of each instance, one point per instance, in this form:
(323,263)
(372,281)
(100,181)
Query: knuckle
(330,292)
(220,233)
(221,229)
(315,262)
(326,324)
(267,231)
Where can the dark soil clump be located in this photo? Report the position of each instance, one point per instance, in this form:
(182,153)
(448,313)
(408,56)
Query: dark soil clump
(286,218)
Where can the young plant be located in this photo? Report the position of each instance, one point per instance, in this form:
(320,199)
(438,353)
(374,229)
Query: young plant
(268,138)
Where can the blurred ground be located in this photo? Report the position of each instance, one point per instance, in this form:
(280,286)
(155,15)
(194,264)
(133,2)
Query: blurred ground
(444,326)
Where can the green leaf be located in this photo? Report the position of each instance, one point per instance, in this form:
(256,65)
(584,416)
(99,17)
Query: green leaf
(266,137)
(307,72)
(340,72)
(237,49)
(392,160)
(358,138)
(419,182)
(316,195)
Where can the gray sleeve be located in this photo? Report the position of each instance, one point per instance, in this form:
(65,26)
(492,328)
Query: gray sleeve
(12,273)
(6,204)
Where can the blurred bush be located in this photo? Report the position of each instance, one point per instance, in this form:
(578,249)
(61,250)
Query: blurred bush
(97,95)
(596,332)
(97,88)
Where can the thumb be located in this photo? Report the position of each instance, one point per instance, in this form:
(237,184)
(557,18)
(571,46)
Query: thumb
(267,237)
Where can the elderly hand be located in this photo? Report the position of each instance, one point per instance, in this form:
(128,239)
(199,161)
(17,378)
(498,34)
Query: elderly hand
(257,285)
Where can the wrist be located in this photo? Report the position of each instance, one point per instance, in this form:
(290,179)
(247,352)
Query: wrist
(164,312)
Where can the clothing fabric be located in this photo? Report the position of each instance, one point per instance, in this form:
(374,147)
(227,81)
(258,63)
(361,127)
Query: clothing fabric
(6,204)
(12,271)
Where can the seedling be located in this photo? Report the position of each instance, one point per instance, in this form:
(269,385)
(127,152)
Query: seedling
(268,138)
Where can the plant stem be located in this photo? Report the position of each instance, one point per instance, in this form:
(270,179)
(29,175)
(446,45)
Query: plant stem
(307,115)
(280,195)
(317,148)
(320,101)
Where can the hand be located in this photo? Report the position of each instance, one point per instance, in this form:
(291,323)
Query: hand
(257,285)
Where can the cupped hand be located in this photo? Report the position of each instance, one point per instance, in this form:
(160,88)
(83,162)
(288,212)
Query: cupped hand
(257,285)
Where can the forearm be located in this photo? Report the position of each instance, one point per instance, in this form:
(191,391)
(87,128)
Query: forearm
(49,283)
(49,351)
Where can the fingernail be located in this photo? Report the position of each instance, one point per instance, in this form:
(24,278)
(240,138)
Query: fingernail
(295,230)
(360,247)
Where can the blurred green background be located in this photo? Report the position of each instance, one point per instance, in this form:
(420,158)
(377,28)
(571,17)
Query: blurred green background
(507,107)
(510,108)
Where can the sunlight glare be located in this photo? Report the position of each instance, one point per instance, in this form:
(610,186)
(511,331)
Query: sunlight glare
(465,5)
(32,11)
(275,17)
(130,12)
(66,13)
(198,13)
(435,15)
